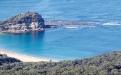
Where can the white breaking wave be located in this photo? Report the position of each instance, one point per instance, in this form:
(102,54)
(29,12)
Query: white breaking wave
(93,24)
(112,24)
(79,26)
(71,26)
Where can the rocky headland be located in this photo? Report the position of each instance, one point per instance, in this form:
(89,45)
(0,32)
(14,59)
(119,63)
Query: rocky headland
(32,21)
(22,23)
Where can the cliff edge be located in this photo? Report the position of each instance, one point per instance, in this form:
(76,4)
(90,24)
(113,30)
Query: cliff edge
(22,23)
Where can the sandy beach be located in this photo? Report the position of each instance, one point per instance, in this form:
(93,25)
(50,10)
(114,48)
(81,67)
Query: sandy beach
(0,32)
(24,58)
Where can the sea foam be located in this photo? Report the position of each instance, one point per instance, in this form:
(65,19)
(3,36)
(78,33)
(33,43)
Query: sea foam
(112,24)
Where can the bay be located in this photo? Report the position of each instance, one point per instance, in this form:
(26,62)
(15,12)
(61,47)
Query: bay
(66,43)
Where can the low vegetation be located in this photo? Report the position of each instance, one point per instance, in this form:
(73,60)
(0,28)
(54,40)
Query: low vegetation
(27,17)
(106,64)
(4,59)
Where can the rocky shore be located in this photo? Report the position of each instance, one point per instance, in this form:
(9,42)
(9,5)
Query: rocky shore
(67,23)
(22,23)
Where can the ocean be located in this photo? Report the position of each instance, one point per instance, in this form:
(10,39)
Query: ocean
(66,43)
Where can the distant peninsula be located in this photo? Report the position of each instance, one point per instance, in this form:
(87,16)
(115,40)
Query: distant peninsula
(31,21)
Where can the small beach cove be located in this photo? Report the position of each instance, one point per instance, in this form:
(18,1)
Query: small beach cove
(25,58)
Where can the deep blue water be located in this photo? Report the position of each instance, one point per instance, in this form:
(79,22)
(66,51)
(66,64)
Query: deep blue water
(66,43)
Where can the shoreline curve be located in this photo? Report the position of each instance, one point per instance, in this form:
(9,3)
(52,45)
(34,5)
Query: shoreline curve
(25,58)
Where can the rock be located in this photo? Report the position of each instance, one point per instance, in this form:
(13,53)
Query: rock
(22,23)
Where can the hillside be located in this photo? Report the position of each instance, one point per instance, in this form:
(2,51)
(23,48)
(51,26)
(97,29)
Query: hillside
(4,59)
(105,64)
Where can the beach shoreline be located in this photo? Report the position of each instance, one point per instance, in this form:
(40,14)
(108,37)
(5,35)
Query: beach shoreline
(25,58)
(1,32)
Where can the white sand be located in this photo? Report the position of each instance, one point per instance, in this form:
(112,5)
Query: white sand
(23,58)
(0,33)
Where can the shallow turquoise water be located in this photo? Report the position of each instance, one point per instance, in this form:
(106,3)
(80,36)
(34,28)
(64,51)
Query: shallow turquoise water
(66,43)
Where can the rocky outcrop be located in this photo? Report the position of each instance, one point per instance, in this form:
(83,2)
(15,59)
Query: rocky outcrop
(22,23)
(32,21)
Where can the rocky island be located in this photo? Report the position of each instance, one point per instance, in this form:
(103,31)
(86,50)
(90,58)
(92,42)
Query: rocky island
(22,23)
(32,21)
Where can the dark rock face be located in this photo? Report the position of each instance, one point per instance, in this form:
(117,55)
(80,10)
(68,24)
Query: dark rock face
(30,21)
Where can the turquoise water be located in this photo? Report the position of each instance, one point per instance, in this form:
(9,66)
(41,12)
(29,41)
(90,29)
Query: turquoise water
(66,43)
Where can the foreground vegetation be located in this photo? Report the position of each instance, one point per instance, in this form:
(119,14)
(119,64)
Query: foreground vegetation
(106,64)
(4,59)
